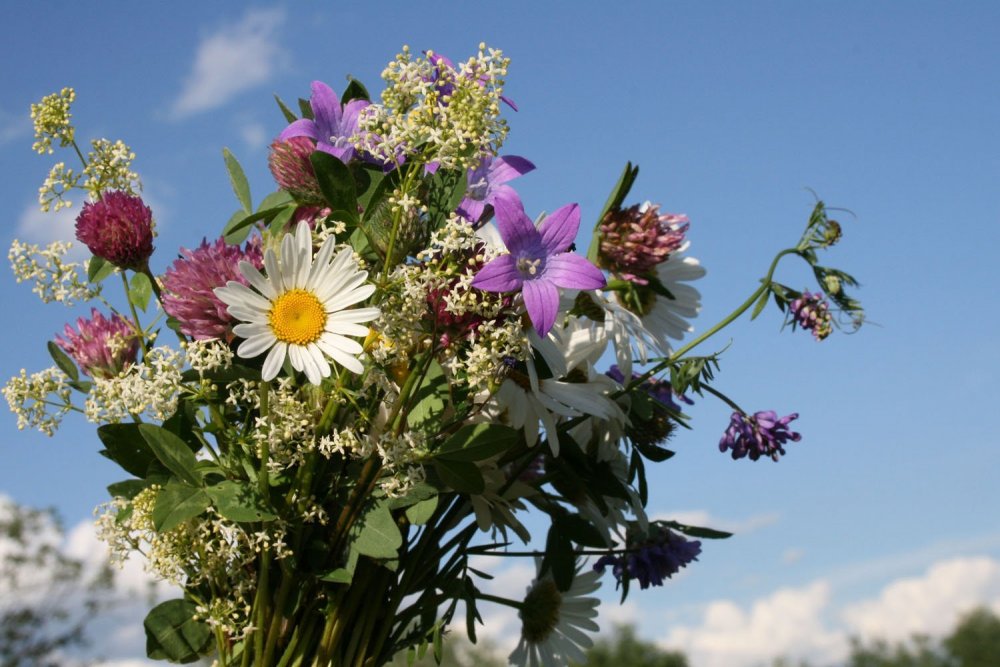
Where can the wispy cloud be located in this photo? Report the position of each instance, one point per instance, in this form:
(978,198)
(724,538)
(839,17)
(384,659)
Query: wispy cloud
(13,126)
(232,60)
(34,226)
(705,519)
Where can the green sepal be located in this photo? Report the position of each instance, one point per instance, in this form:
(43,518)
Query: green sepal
(355,90)
(285,111)
(173,634)
(63,361)
(238,179)
(239,502)
(177,503)
(172,452)
(476,442)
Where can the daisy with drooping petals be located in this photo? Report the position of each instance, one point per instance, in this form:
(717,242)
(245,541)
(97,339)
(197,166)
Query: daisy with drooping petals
(553,622)
(300,309)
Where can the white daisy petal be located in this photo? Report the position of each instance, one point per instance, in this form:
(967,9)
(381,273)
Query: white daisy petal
(255,346)
(249,330)
(345,345)
(354,316)
(273,269)
(247,297)
(346,360)
(257,279)
(247,314)
(275,359)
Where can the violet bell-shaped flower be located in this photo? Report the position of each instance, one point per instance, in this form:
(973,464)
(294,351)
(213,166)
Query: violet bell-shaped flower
(538,263)
(333,124)
(488,184)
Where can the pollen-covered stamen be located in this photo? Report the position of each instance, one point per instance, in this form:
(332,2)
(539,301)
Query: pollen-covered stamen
(297,317)
(529,266)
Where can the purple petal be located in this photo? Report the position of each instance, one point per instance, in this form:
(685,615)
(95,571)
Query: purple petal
(303,127)
(349,120)
(541,299)
(509,102)
(572,271)
(559,229)
(471,209)
(326,108)
(516,228)
(507,168)
(506,193)
(500,275)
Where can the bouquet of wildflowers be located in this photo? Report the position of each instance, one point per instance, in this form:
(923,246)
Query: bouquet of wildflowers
(377,371)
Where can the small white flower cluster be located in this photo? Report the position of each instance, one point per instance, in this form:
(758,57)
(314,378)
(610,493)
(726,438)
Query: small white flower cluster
(56,186)
(109,167)
(51,118)
(31,398)
(447,115)
(55,279)
(400,455)
(288,429)
(208,355)
(229,616)
(150,389)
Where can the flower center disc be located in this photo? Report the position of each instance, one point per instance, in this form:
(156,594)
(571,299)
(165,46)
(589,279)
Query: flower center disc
(540,611)
(297,317)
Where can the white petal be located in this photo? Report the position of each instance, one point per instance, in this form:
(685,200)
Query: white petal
(295,356)
(273,269)
(346,345)
(241,295)
(341,357)
(257,279)
(273,362)
(255,345)
(249,330)
(354,315)
(247,314)
(346,328)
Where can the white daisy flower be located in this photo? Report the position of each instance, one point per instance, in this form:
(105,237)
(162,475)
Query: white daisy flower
(300,309)
(553,622)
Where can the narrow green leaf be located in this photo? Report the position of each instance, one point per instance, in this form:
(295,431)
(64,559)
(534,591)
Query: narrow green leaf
(63,361)
(581,531)
(761,303)
(276,199)
(378,535)
(98,269)
(173,634)
(697,531)
(461,476)
(355,91)
(237,228)
(140,290)
(172,452)
(278,223)
(559,558)
(176,503)
(285,111)
(615,199)
(238,179)
(238,502)
(475,442)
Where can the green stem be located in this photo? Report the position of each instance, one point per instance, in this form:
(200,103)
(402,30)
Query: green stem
(722,397)
(135,317)
(498,600)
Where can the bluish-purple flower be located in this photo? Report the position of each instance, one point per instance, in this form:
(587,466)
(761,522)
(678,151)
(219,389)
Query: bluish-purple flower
(763,434)
(487,184)
(658,557)
(538,263)
(333,124)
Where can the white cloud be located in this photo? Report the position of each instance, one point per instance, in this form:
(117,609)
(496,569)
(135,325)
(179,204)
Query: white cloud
(13,126)
(704,519)
(254,135)
(931,603)
(231,60)
(34,226)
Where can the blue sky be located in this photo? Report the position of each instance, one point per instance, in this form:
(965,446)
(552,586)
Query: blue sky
(733,112)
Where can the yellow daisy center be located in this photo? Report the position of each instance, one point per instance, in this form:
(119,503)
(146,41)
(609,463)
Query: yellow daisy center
(297,317)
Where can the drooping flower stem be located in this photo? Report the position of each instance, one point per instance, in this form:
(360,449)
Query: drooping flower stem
(722,397)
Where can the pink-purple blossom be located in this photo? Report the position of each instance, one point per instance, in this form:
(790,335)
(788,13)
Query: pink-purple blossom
(763,434)
(538,263)
(811,311)
(102,346)
(634,240)
(292,169)
(117,228)
(188,286)
(333,124)
(488,184)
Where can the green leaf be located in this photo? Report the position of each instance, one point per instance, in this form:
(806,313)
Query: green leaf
(140,290)
(421,512)
(124,445)
(285,111)
(559,557)
(238,180)
(615,199)
(761,303)
(336,183)
(420,491)
(276,199)
(355,91)
(173,634)
(343,575)
(239,502)
(176,503)
(235,231)
(277,225)
(654,452)
(697,531)
(378,535)
(63,361)
(447,188)
(98,269)
(581,531)
(171,452)
(127,488)
(642,404)
(431,397)
(461,476)
(475,442)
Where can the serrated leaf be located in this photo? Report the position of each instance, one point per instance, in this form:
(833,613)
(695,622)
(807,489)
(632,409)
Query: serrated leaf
(238,502)
(475,442)
(173,634)
(378,535)
(421,512)
(140,290)
(461,476)
(98,269)
(176,503)
(172,452)
(63,361)
(238,179)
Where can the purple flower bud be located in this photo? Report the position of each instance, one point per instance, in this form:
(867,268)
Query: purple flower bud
(811,311)
(117,228)
(102,347)
(763,434)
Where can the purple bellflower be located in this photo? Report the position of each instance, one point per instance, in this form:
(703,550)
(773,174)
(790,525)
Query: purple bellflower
(538,263)
(488,184)
(333,126)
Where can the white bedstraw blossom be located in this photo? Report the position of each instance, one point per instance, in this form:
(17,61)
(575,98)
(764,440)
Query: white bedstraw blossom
(449,115)
(208,355)
(55,188)
(288,429)
(109,167)
(51,118)
(400,455)
(54,279)
(149,389)
(39,400)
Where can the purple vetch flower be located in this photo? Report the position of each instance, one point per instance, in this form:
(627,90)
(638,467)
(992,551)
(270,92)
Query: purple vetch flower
(487,184)
(102,347)
(660,425)
(333,124)
(117,228)
(634,240)
(293,171)
(811,311)
(659,556)
(188,286)
(763,434)
(538,263)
